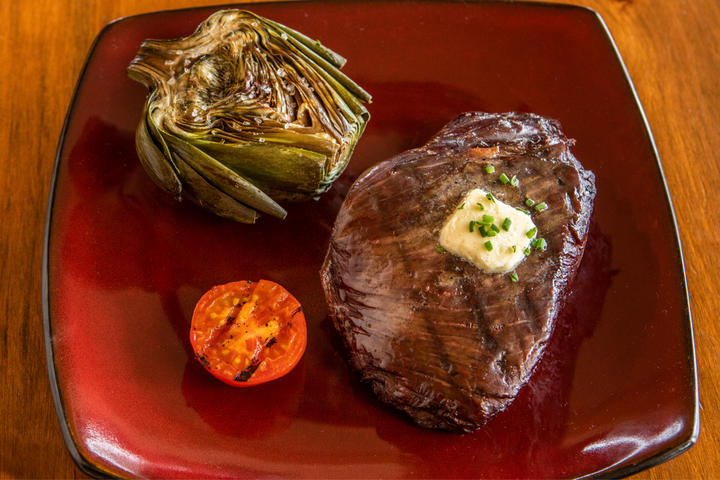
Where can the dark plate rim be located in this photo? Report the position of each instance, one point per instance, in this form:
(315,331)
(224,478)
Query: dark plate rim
(93,470)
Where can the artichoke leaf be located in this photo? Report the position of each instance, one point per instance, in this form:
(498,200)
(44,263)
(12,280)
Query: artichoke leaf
(336,60)
(155,162)
(202,193)
(311,144)
(327,69)
(301,170)
(332,174)
(224,179)
(155,118)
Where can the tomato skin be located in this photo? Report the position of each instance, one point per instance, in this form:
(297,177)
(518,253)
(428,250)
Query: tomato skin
(247,333)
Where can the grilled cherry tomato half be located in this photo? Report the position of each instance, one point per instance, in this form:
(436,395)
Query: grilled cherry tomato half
(248,333)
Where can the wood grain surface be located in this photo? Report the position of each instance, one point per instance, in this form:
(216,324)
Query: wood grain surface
(671,49)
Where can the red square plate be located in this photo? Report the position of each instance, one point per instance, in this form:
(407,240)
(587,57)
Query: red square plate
(125,264)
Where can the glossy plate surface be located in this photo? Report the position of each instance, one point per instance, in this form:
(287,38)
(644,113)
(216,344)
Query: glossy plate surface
(125,264)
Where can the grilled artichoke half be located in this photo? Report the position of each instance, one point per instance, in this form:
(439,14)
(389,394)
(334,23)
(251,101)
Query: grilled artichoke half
(245,112)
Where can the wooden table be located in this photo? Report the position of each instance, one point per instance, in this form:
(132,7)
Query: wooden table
(671,49)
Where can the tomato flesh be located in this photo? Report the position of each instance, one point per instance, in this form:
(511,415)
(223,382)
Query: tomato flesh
(247,333)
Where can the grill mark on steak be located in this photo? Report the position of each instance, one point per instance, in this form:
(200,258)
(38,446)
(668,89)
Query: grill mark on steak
(436,337)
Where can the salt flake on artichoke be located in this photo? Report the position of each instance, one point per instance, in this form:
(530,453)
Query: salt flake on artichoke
(244,113)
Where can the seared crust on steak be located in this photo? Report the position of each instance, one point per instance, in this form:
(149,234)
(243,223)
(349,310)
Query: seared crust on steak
(438,338)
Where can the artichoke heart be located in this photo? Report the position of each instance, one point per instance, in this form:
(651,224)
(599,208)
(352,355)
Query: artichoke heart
(244,113)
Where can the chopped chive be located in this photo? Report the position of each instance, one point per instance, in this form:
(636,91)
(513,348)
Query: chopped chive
(472,225)
(488,246)
(514,181)
(506,224)
(504,178)
(541,206)
(514,277)
(481,206)
(461,206)
(490,197)
(488,219)
(522,210)
(482,230)
(527,252)
(514,248)
(539,243)
(529,202)
(495,228)
(489,168)
(318,42)
(440,249)
(531,233)
(491,233)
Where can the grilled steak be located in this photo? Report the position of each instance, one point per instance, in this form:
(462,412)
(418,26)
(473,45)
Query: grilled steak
(436,336)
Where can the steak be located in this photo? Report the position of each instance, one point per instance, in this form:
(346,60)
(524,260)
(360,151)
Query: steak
(436,336)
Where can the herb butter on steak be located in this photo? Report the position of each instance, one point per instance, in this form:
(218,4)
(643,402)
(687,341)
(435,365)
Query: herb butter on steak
(435,335)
